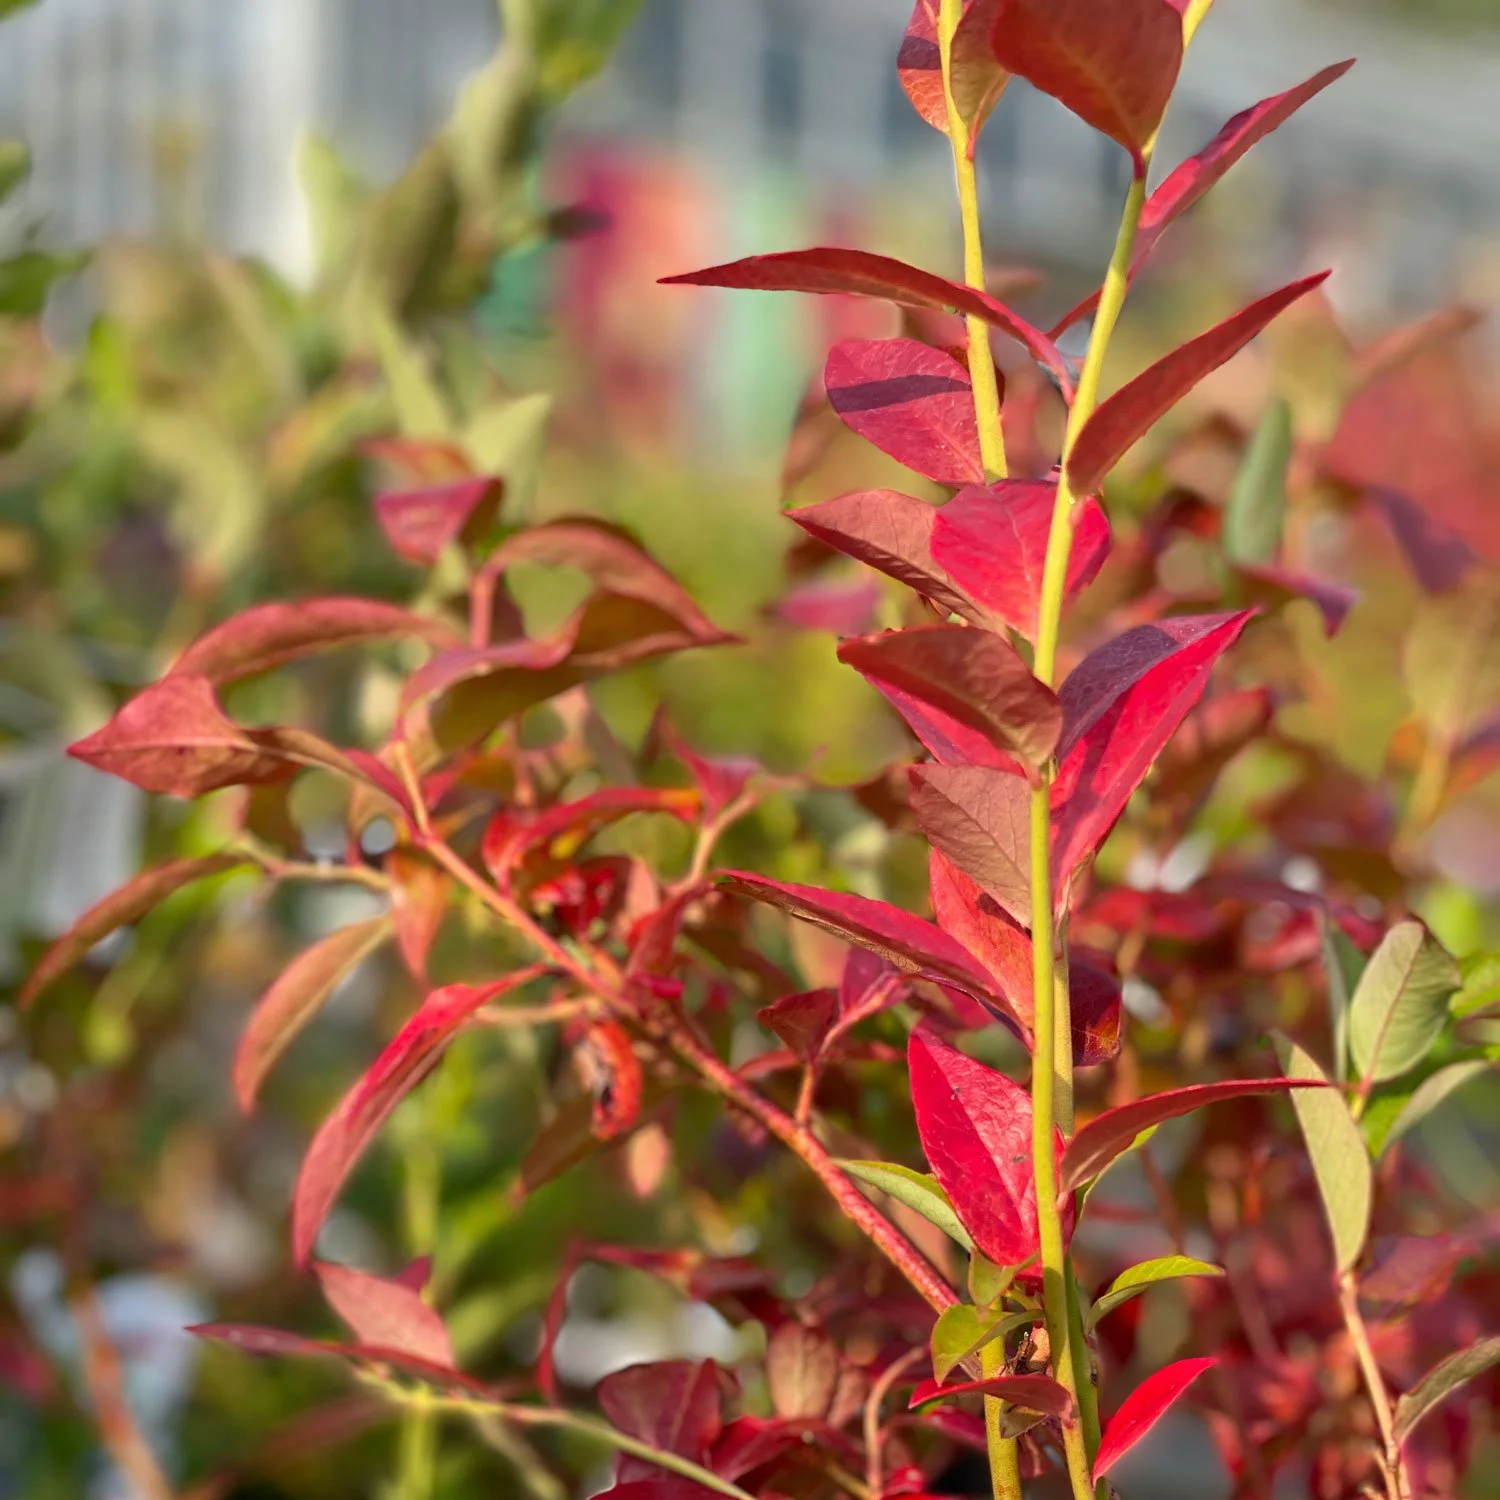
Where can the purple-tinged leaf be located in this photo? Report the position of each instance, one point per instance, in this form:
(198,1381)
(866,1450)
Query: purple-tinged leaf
(913,402)
(992,543)
(980,819)
(802,1021)
(1143,1408)
(419,524)
(843,608)
(1030,1392)
(270,635)
(1111,1134)
(1272,584)
(388,1314)
(1439,556)
(411,1055)
(977,80)
(122,907)
(972,675)
(1191,179)
(827,270)
(1113,65)
(674,1405)
(295,997)
(1126,417)
(975,1126)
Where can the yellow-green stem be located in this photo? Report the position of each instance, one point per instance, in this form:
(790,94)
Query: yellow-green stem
(981,361)
(1088,1395)
(1005,1453)
(1052,1071)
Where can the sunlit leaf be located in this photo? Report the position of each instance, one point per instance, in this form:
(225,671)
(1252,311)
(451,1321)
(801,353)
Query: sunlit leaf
(1132,1282)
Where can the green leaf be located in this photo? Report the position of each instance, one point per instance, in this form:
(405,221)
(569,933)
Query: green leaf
(1343,964)
(507,438)
(335,195)
(917,1190)
(1257,502)
(1479,989)
(963,1330)
(575,39)
(988,1282)
(28,278)
(15,166)
(10,7)
(1442,1380)
(1401,1004)
(1339,1159)
(420,408)
(1430,1093)
(1132,1282)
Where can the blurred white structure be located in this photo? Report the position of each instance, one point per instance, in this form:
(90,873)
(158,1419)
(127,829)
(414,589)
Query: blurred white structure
(1401,153)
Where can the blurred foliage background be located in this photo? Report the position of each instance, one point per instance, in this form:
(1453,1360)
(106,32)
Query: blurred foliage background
(197,345)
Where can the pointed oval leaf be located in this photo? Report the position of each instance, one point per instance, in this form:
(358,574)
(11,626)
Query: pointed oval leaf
(1340,1161)
(992,543)
(963,1330)
(419,524)
(1442,1380)
(802,1371)
(802,1021)
(1191,179)
(1030,1392)
(1143,1408)
(122,907)
(270,635)
(420,893)
(827,270)
(295,997)
(1400,1005)
(1126,417)
(973,675)
(1112,1133)
(674,1405)
(412,1054)
(913,402)
(919,1191)
(977,80)
(388,1314)
(980,819)
(975,1126)
(1257,500)
(1132,1282)
(1432,1092)
(1113,65)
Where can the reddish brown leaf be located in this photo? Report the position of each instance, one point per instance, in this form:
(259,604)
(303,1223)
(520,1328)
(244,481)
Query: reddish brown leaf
(122,907)
(1030,1392)
(418,460)
(420,523)
(976,79)
(1111,1134)
(992,543)
(343,1136)
(980,819)
(1438,555)
(913,402)
(420,893)
(1133,410)
(859,273)
(611,1072)
(975,1126)
(1189,181)
(1274,585)
(270,635)
(674,1405)
(974,676)
(385,1313)
(844,608)
(296,996)
(1121,705)
(1113,65)
(802,1021)
(802,1371)
(1143,1408)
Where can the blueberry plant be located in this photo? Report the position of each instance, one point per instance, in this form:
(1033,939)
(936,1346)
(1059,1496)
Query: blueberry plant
(1073,725)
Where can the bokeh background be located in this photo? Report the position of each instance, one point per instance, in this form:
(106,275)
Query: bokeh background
(179,414)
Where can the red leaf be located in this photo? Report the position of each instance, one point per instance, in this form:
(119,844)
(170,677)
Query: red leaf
(992,543)
(802,1371)
(343,1136)
(1272,584)
(420,523)
(1113,65)
(1130,413)
(913,402)
(658,1489)
(975,1126)
(980,819)
(511,837)
(1189,181)
(973,675)
(1143,1408)
(1438,555)
(858,273)
(386,1313)
(295,997)
(1111,1134)
(419,460)
(122,907)
(977,81)
(1121,705)
(1030,1392)
(419,902)
(802,1021)
(913,945)
(269,635)
(844,608)
(612,1074)
(674,1405)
